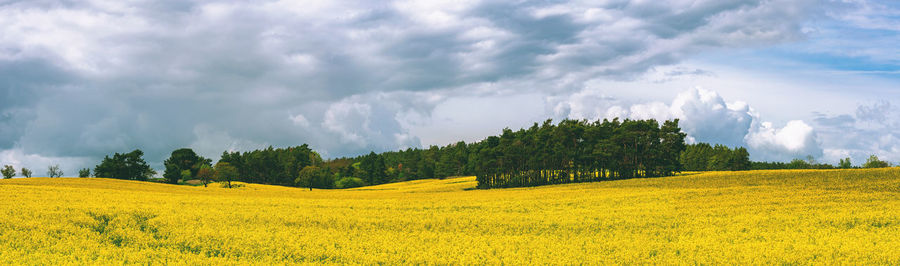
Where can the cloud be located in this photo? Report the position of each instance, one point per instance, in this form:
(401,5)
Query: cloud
(372,122)
(706,117)
(871,130)
(86,79)
(38,164)
(795,140)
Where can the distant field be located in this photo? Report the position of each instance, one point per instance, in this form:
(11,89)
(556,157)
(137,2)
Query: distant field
(769,217)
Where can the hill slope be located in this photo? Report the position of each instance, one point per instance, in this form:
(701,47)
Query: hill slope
(758,217)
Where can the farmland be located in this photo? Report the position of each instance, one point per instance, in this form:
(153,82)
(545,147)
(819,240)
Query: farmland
(777,216)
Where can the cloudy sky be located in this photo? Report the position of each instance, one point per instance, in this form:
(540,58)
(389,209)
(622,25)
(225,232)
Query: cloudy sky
(784,78)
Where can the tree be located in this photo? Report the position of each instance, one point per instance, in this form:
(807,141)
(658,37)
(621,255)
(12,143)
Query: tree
(314,177)
(8,171)
(26,172)
(845,163)
(270,165)
(206,173)
(373,168)
(672,144)
(179,161)
(874,162)
(53,171)
(185,175)
(308,176)
(225,172)
(84,172)
(129,166)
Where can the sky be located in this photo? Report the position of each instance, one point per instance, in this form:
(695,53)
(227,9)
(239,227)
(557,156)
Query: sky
(784,78)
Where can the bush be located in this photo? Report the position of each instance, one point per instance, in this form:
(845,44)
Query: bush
(874,162)
(349,182)
(230,185)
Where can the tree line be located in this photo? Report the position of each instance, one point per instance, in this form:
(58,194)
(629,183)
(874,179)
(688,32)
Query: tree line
(705,157)
(8,171)
(545,153)
(810,163)
(579,151)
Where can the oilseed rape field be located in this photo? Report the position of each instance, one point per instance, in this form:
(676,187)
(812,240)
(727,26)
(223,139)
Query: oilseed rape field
(751,217)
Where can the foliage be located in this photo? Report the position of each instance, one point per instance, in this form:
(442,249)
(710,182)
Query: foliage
(349,182)
(54,171)
(845,164)
(704,157)
(572,151)
(272,166)
(578,151)
(780,217)
(84,172)
(874,162)
(794,164)
(8,171)
(181,160)
(186,175)
(374,170)
(206,174)
(225,172)
(26,172)
(130,166)
(314,177)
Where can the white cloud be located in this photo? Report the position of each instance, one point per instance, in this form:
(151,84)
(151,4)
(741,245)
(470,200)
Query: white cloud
(300,120)
(794,140)
(706,117)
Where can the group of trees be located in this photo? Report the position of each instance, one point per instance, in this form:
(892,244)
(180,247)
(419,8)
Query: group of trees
(280,166)
(705,157)
(578,151)
(873,162)
(571,151)
(130,166)
(810,163)
(184,164)
(9,172)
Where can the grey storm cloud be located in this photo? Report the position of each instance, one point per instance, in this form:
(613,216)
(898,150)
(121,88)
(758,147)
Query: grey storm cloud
(82,79)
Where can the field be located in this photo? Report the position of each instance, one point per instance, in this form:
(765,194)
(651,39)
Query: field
(768,217)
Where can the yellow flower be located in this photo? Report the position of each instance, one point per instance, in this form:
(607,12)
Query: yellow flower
(755,217)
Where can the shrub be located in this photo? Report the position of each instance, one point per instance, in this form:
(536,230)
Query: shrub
(349,182)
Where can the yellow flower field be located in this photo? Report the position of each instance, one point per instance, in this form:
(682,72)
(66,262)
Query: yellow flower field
(756,217)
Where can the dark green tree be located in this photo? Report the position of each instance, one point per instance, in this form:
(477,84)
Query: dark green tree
(26,172)
(129,166)
(8,171)
(183,159)
(373,168)
(84,172)
(225,172)
(314,177)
